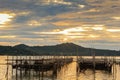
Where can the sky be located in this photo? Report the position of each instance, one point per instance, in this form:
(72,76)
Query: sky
(89,23)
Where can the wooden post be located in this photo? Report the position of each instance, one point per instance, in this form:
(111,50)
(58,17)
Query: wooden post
(39,75)
(77,73)
(34,57)
(55,66)
(7,74)
(39,70)
(114,69)
(12,66)
(29,68)
(42,75)
(16,68)
(46,63)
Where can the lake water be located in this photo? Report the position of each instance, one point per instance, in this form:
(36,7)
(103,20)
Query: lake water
(68,72)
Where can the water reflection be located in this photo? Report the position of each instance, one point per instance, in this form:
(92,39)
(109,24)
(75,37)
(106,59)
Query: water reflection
(67,72)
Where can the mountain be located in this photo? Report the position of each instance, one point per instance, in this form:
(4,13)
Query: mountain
(59,49)
(21,46)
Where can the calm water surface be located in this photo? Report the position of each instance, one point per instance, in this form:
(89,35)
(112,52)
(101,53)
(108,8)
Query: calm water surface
(68,72)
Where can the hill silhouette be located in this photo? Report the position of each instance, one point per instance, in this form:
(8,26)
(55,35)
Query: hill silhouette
(70,49)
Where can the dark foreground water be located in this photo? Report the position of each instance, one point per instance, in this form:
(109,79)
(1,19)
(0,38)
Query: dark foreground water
(68,72)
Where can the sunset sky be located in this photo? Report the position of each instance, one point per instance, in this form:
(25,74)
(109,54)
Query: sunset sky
(89,23)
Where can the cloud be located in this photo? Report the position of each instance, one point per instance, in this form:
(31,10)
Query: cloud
(34,23)
(57,21)
(113,30)
(116,18)
(67,23)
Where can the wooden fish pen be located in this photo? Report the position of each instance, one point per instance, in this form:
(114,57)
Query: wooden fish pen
(38,66)
(95,63)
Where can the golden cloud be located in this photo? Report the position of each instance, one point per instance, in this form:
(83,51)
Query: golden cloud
(9,43)
(10,36)
(113,30)
(47,2)
(34,23)
(67,23)
(116,18)
(81,6)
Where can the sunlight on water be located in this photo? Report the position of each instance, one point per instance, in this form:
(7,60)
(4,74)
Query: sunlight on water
(3,68)
(67,72)
(99,75)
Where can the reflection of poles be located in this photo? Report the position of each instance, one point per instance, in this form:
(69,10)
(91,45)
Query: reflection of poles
(94,64)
